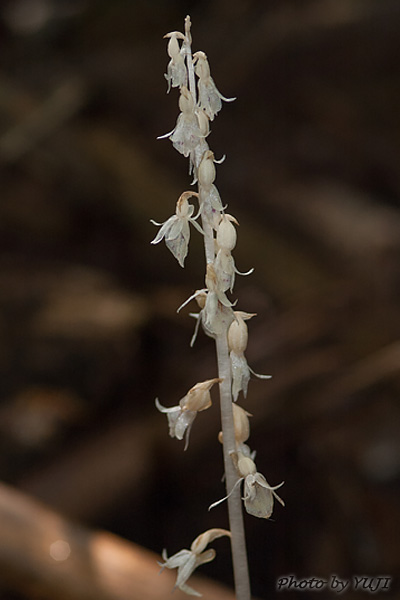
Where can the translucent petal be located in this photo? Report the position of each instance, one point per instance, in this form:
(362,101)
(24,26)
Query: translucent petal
(209,98)
(188,590)
(184,421)
(225,270)
(165,228)
(176,73)
(185,569)
(186,135)
(258,501)
(240,374)
(215,199)
(179,248)
(173,419)
(259,496)
(175,228)
(175,561)
(164,409)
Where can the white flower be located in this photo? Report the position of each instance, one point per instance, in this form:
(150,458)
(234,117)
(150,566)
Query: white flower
(206,175)
(215,311)
(258,494)
(176,70)
(176,229)
(209,97)
(186,561)
(181,417)
(186,135)
(224,263)
(237,342)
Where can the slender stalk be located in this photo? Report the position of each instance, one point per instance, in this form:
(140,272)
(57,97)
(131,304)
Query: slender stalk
(189,138)
(189,60)
(236,525)
(208,237)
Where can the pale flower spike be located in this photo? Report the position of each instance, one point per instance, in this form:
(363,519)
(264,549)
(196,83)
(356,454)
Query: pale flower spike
(181,417)
(186,561)
(199,102)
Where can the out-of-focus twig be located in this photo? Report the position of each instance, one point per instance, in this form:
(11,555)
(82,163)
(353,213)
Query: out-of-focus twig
(44,555)
(42,121)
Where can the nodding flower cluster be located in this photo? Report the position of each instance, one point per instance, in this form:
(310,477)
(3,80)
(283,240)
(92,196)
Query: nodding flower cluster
(199,102)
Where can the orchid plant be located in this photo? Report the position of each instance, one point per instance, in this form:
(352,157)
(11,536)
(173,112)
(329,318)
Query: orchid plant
(199,102)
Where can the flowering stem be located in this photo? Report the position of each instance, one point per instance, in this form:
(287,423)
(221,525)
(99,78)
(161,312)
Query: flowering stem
(238,540)
(236,525)
(189,138)
(209,245)
(189,61)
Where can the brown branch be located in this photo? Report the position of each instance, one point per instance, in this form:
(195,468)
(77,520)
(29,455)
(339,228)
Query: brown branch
(43,554)
(63,103)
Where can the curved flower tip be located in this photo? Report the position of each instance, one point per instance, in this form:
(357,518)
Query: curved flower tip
(182,416)
(186,561)
(176,70)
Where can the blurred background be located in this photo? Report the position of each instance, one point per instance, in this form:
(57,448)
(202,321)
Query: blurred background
(89,330)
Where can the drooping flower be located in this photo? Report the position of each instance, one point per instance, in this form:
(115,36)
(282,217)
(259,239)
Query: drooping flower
(186,135)
(181,417)
(206,175)
(258,494)
(186,561)
(176,229)
(237,342)
(176,71)
(215,306)
(209,96)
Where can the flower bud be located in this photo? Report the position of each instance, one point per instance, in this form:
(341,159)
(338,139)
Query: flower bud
(203,121)
(226,233)
(245,465)
(173,48)
(185,101)
(241,423)
(198,397)
(237,335)
(206,172)
(202,68)
(183,208)
(241,426)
